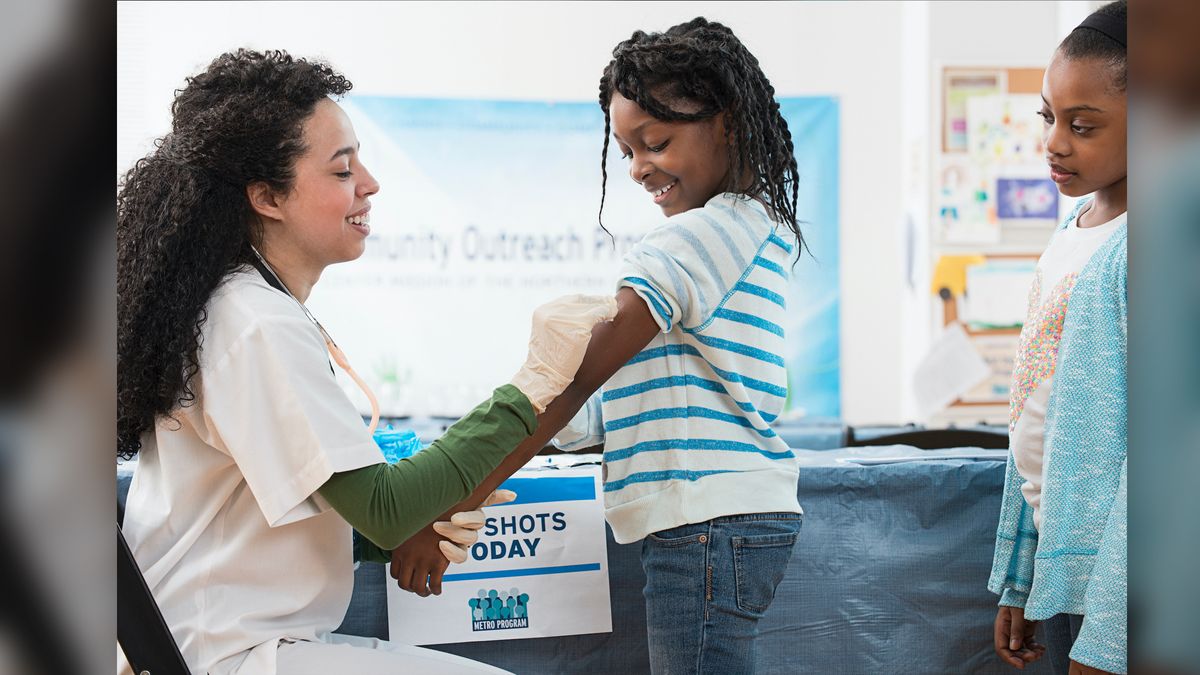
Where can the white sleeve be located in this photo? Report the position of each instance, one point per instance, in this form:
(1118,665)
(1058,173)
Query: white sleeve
(684,269)
(585,430)
(280,414)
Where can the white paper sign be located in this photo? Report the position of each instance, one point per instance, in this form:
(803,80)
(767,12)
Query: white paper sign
(539,569)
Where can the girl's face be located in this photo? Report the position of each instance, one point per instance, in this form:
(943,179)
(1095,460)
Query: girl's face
(1084,131)
(325,215)
(681,164)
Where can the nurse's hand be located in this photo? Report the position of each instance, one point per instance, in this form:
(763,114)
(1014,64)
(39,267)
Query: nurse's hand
(462,530)
(561,331)
(418,564)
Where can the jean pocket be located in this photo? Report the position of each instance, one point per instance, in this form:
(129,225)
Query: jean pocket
(679,536)
(759,563)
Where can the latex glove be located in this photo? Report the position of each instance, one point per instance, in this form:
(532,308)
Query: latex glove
(462,529)
(561,331)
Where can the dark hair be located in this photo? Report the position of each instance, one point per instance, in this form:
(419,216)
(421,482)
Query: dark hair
(1089,43)
(704,63)
(184,221)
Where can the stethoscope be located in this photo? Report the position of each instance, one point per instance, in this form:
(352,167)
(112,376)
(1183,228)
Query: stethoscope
(339,357)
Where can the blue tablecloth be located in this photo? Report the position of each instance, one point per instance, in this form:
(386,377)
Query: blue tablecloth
(888,576)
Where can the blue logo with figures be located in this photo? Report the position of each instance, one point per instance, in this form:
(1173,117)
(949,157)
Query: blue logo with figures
(499,610)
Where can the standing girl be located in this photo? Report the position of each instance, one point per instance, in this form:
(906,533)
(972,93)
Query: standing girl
(692,367)
(1060,554)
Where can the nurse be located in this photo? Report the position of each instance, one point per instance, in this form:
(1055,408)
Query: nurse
(253,464)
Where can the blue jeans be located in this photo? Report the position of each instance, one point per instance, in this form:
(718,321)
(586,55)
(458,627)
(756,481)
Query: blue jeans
(1058,634)
(708,584)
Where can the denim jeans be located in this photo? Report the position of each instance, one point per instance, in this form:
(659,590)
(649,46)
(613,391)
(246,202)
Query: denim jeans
(1058,634)
(708,584)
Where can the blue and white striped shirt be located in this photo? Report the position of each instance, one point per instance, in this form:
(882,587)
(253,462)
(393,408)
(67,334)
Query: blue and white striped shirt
(686,422)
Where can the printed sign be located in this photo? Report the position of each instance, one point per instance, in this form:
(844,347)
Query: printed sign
(539,569)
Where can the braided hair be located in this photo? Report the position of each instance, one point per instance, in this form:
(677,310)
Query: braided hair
(1086,43)
(184,221)
(703,63)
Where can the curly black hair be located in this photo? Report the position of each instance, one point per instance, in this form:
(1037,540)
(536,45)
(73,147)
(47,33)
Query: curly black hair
(184,221)
(702,62)
(1086,43)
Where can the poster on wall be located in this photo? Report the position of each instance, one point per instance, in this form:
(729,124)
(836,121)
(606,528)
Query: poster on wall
(539,569)
(487,209)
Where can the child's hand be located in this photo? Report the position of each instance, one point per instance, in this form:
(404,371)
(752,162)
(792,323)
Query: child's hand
(1014,639)
(418,564)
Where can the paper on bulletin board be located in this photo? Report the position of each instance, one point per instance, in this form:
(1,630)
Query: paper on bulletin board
(959,86)
(998,351)
(950,369)
(964,211)
(997,292)
(539,569)
(1005,129)
(1026,198)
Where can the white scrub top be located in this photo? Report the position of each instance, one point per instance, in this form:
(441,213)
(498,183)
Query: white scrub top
(222,514)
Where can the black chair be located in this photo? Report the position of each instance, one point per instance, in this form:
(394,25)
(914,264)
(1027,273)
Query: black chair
(936,439)
(141,630)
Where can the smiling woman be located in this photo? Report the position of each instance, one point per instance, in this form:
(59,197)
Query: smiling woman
(253,464)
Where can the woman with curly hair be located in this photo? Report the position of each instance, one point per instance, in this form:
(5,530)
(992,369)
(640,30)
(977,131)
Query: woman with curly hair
(253,464)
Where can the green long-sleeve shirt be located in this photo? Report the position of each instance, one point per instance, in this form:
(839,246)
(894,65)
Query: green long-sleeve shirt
(388,503)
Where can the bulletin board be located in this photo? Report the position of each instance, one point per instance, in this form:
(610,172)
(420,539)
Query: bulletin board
(991,179)
(991,197)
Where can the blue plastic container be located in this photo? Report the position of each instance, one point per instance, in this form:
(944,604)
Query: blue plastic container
(397,444)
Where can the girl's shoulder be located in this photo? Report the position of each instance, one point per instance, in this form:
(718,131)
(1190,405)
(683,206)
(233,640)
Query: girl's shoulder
(726,211)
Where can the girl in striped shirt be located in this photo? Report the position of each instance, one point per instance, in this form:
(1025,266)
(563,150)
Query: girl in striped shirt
(691,370)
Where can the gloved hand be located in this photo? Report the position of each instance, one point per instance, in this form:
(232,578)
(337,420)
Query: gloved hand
(462,529)
(561,331)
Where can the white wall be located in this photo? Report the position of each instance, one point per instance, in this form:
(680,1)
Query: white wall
(557,51)
(868,54)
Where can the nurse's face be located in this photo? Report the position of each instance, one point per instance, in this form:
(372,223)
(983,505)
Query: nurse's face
(324,217)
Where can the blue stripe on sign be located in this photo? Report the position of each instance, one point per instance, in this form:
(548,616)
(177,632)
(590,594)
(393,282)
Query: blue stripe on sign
(728,376)
(778,241)
(739,348)
(753,289)
(526,572)
(693,444)
(655,298)
(540,490)
(681,413)
(767,264)
(651,476)
(749,320)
